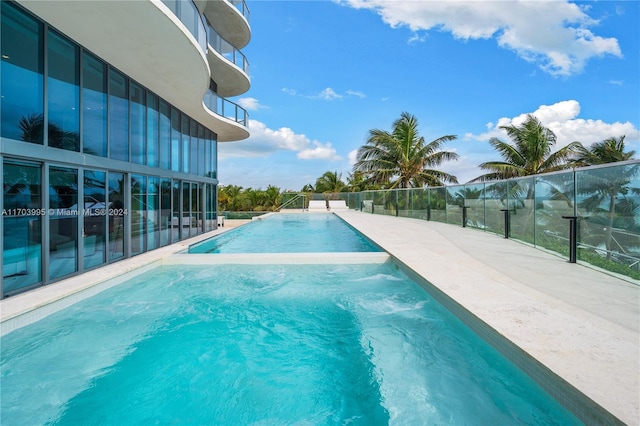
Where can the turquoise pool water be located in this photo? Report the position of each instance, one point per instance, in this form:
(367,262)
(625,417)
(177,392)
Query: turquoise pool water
(264,345)
(289,233)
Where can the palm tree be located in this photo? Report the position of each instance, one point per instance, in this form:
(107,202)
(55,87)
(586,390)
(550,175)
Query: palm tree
(530,153)
(330,182)
(402,158)
(609,150)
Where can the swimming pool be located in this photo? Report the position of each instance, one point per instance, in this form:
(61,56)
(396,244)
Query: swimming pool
(263,344)
(289,233)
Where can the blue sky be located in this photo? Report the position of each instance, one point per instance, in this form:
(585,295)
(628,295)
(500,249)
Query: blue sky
(323,73)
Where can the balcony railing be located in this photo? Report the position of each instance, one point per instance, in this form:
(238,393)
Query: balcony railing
(226,108)
(225,48)
(241,5)
(188,14)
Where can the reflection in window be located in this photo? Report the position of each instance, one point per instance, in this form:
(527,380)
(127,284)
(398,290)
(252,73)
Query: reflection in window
(138,121)
(165,136)
(94,106)
(63,93)
(138,213)
(175,140)
(22,238)
(153,213)
(22,82)
(152,130)
(116,212)
(165,212)
(185,227)
(63,222)
(176,219)
(118,116)
(193,164)
(94,216)
(186,131)
(214,156)
(196,210)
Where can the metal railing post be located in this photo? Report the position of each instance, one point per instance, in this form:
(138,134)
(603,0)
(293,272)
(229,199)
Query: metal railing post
(573,237)
(464,216)
(507,224)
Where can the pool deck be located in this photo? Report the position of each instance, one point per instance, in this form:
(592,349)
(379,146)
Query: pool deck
(581,326)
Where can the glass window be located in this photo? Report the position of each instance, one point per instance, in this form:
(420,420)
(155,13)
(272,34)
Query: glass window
(175,140)
(165,212)
(63,222)
(214,156)
(118,116)
(138,213)
(22,82)
(152,130)
(22,237)
(195,143)
(165,136)
(63,92)
(117,211)
(202,151)
(153,213)
(94,106)
(176,218)
(138,121)
(196,210)
(94,216)
(186,145)
(185,226)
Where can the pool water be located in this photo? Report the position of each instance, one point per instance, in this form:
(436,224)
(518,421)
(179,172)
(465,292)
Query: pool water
(289,233)
(266,345)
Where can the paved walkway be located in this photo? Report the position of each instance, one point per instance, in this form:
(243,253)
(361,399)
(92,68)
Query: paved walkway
(582,324)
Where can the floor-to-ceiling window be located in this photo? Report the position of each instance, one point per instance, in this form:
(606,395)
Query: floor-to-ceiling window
(94,106)
(138,213)
(153,213)
(196,209)
(165,136)
(176,219)
(63,87)
(176,135)
(118,116)
(22,224)
(116,211)
(165,212)
(94,216)
(22,81)
(137,110)
(152,130)
(63,221)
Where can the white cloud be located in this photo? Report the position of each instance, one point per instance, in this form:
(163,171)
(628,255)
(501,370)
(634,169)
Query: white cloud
(562,119)
(319,152)
(352,157)
(553,34)
(251,104)
(264,141)
(327,94)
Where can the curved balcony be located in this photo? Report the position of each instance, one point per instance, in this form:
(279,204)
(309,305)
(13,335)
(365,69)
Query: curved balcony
(229,66)
(233,126)
(189,15)
(229,21)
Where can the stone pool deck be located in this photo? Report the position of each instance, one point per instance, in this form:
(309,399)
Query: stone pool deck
(581,324)
(563,323)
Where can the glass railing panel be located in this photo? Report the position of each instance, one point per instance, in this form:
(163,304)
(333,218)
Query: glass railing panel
(474,203)
(608,200)
(455,202)
(241,5)
(418,201)
(554,199)
(227,50)
(495,202)
(438,204)
(225,108)
(187,13)
(520,194)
